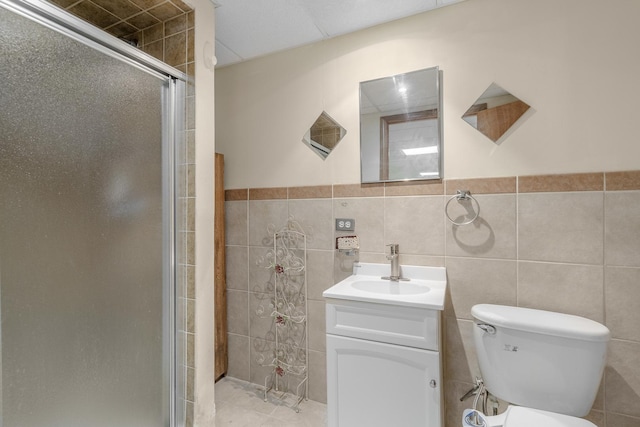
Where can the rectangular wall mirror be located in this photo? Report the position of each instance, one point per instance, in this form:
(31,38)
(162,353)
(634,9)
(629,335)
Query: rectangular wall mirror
(400,127)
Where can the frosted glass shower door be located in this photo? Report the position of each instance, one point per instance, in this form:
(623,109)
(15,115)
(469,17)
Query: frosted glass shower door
(82,289)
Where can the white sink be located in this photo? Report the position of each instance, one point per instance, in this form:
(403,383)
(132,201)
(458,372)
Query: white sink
(425,289)
(386,287)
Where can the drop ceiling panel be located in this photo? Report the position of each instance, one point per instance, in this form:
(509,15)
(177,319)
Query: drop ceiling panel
(335,17)
(246,29)
(252,28)
(224,55)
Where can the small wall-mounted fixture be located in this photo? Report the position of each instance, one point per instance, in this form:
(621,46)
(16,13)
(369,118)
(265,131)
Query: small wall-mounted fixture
(463,196)
(349,245)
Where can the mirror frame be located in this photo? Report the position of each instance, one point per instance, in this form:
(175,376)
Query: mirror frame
(412,114)
(395,119)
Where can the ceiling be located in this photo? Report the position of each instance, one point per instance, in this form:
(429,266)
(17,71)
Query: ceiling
(248,29)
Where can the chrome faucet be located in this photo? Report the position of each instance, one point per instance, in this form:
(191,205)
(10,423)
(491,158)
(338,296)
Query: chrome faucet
(394,257)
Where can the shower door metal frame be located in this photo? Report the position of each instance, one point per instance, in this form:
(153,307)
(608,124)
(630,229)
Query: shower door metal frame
(172,138)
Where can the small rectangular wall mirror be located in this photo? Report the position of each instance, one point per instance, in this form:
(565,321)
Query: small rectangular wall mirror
(400,127)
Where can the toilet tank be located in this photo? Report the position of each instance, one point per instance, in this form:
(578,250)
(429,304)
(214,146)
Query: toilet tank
(540,359)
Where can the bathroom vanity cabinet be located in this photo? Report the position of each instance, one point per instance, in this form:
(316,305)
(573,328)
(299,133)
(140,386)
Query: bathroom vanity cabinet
(383,365)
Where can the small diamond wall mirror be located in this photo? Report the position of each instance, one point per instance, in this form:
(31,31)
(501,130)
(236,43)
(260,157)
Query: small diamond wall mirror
(495,112)
(323,136)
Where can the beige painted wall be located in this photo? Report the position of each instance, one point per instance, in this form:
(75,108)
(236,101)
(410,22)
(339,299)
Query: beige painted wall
(573,61)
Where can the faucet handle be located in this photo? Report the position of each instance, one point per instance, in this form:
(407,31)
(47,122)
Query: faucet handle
(394,248)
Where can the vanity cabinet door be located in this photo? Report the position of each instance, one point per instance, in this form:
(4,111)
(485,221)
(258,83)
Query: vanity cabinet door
(375,384)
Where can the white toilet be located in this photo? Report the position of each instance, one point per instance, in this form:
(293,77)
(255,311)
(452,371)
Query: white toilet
(548,364)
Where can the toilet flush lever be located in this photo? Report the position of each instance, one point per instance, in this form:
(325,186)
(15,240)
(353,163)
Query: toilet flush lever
(490,329)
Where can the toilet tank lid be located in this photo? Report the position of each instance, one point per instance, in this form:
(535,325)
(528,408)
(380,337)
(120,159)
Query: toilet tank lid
(541,322)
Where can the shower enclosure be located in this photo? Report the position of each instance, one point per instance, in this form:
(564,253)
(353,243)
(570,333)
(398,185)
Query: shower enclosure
(90,323)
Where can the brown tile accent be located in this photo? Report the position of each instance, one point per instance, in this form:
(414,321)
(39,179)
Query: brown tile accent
(191,281)
(174,49)
(121,29)
(414,188)
(619,181)
(190,45)
(267,193)
(191,180)
(165,11)
(94,14)
(135,37)
(123,9)
(190,380)
(63,3)
(312,192)
(142,21)
(182,5)
(145,4)
(189,409)
(191,350)
(190,19)
(559,183)
(191,149)
(110,14)
(358,190)
(155,49)
(236,194)
(153,33)
(191,112)
(482,185)
(175,25)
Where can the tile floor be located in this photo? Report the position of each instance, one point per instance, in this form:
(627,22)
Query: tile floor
(241,404)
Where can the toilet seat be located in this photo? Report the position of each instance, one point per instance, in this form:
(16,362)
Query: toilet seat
(518,416)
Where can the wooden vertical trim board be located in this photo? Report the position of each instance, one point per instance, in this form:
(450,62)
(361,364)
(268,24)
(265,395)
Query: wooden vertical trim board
(220,339)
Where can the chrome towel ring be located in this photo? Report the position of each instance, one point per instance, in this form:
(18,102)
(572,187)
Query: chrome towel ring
(460,196)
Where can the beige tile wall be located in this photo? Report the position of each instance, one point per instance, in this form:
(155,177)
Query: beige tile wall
(569,243)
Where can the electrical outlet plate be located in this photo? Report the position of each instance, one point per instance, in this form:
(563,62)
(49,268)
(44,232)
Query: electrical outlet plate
(345,224)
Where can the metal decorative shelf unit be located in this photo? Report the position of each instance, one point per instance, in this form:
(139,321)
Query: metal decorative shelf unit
(285,349)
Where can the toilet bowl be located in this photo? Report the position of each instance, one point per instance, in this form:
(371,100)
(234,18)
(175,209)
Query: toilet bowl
(546,365)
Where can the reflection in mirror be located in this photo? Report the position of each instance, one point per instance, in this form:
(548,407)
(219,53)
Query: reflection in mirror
(324,135)
(400,127)
(495,112)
